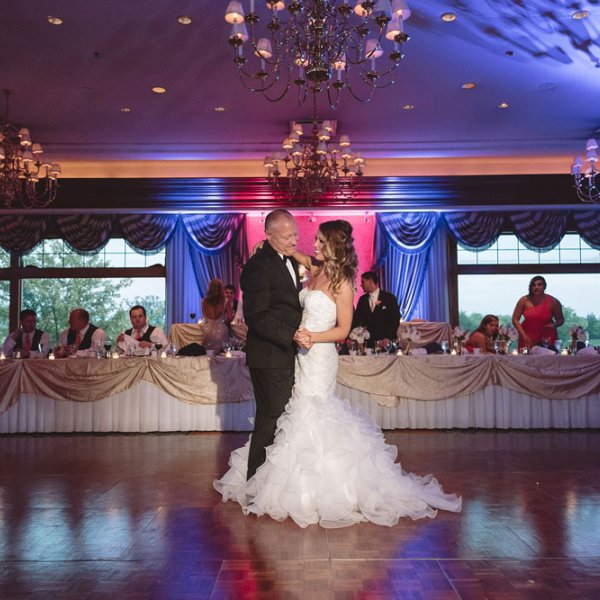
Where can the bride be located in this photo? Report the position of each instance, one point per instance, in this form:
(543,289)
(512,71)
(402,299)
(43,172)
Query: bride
(329,463)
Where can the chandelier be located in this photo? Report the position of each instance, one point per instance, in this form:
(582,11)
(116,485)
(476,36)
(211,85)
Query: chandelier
(25,177)
(315,167)
(322,45)
(587,182)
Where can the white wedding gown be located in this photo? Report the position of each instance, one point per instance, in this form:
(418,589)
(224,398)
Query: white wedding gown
(329,463)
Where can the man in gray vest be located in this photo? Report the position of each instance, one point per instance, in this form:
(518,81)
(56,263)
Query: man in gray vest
(80,335)
(145,335)
(27,341)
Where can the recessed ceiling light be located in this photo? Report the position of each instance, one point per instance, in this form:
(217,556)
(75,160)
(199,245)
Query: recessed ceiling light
(184,20)
(219,109)
(125,109)
(580,14)
(408,107)
(469,85)
(448,17)
(159,90)
(55,20)
(510,53)
(503,105)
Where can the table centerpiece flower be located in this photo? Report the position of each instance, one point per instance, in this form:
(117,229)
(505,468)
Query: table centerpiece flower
(459,335)
(506,335)
(360,335)
(577,334)
(409,335)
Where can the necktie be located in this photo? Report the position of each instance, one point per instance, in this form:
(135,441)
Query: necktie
(27,342)
(138,335)
(77,339)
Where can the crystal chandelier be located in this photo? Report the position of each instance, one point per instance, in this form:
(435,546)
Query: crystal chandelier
(26,178)
(315,167)
(322,45)
(587,182)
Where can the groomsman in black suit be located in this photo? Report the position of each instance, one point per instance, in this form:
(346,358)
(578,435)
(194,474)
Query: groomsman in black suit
(270,287)
(376,310)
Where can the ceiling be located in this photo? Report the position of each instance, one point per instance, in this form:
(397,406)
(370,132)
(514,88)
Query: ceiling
(69,83)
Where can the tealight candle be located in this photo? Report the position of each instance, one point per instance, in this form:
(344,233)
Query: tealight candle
(399,352)
(515,352)
(228,354)
(453,352)
(163,354)
(116,355)
(564,353)
(2,356)
(51,356)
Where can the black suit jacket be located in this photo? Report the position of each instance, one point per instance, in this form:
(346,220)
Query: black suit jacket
(272,309)
(381,323)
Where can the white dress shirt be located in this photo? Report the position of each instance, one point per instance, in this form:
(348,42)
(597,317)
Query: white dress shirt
(373,298)
(97,336)
(10,343)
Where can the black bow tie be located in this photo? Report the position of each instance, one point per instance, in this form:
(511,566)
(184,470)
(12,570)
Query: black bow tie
(285,259)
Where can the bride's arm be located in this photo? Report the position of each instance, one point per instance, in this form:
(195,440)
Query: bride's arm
(344,302)
(307,261)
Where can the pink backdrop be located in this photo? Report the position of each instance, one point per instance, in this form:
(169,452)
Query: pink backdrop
(363,235)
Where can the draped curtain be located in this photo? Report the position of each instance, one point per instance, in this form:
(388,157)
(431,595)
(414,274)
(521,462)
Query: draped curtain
(410,247)
(402,247)
(205,246)
(411,254)
(198,246)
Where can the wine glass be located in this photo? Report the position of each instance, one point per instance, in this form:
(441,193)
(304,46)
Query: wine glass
(107,347)
(193,317)
(444,346)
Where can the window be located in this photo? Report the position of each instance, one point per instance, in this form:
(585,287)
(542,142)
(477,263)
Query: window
(492,281)
(55,279)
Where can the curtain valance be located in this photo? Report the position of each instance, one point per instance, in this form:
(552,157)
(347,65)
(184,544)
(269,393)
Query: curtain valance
(539,231)
(409,232)
(211,234)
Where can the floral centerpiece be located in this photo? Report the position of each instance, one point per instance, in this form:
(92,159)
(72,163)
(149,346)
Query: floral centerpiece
(360,335)
(506,335)
(459,335)
(577,334)
(409,335)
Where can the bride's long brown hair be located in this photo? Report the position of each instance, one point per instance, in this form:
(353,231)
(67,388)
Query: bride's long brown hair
(341,263)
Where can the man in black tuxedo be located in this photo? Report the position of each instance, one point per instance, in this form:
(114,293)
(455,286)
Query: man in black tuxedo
(376,310)
(270,287)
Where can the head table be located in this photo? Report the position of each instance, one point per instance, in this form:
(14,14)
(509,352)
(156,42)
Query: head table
(215,393)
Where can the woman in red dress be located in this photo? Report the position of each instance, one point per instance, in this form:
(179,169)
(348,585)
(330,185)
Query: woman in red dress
(541,313)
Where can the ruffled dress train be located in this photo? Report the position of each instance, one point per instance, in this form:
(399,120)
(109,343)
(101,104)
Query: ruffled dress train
(329,463)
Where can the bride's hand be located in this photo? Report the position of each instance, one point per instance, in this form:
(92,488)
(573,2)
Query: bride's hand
(303,339)
(257,247)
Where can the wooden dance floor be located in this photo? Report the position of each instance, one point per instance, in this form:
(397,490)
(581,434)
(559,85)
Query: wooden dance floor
(134,516)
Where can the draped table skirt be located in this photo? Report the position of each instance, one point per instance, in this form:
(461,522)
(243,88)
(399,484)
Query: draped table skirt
(412,392)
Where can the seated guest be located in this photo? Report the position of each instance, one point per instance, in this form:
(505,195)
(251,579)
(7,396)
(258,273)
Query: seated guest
(30,341)
(146,335)
(541,313)
(377,311)
(80,335)
(231,304)
(214,328)
(483,336)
